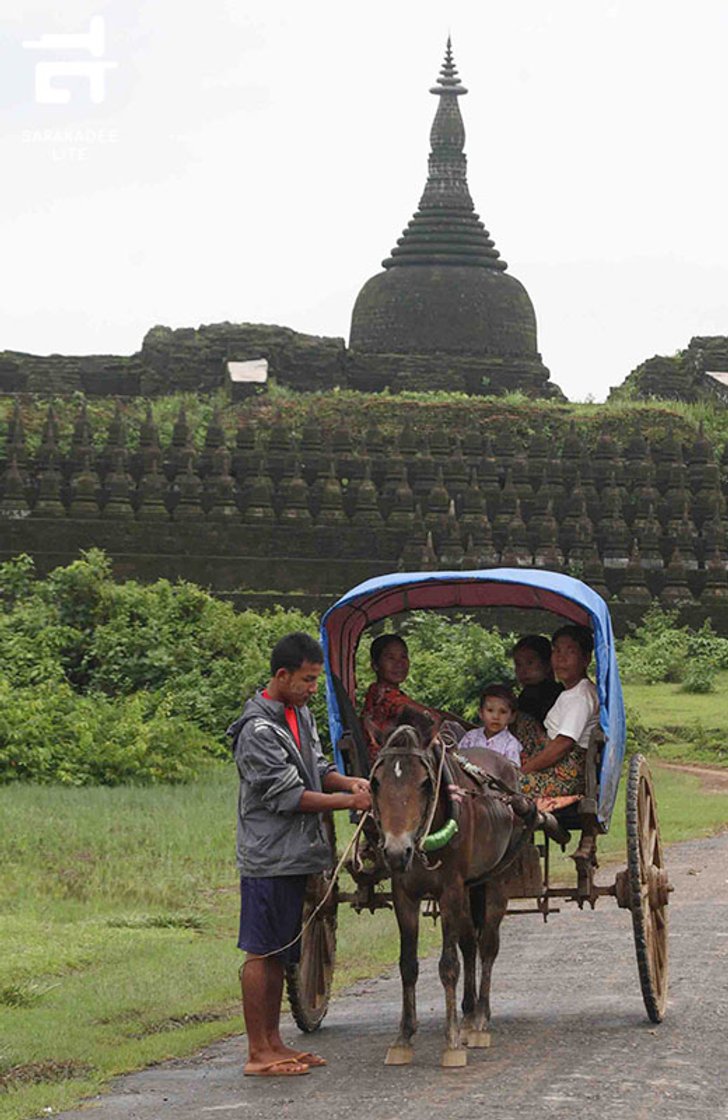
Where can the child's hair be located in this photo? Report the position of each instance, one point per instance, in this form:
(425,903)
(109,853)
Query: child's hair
(537,644)
(582,635)
(293,649)
(502,692)
(379,645)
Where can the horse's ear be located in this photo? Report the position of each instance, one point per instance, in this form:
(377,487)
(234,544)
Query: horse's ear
(424,724)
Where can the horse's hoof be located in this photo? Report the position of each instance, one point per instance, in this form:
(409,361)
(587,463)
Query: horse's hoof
(398,1056)
(454,1059)
(477,1040)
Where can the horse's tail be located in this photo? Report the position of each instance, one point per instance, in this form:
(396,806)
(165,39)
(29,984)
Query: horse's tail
(477,905)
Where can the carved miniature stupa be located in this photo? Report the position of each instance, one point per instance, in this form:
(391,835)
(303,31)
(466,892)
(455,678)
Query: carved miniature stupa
(445,289)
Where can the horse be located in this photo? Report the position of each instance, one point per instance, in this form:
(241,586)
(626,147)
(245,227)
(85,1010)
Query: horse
(415,794)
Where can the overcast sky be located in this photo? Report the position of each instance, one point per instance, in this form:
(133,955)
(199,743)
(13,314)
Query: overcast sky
(255,161)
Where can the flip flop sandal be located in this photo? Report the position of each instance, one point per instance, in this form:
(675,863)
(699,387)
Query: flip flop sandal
(284,1067)
(311,1059)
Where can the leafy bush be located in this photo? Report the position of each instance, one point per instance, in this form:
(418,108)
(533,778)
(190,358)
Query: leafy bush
(706,655)
(453,659)
(699,676)
(104,682)
(50,734)
(705,645)
(16,580)
(658,650)
(639,737)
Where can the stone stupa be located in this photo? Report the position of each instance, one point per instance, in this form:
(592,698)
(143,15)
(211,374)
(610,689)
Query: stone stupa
(445,313)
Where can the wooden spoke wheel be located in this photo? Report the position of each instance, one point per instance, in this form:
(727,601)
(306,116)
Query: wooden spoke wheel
(309,982)
(648,887)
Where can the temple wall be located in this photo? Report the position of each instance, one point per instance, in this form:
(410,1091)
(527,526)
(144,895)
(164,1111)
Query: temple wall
(183,360)
(299,516)
(682,376)
(195,360)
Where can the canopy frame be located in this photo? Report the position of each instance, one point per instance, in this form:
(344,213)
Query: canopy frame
(537,589)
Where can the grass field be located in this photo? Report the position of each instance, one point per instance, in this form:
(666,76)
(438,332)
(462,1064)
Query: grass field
(674,725)
(118,916)
(118,913)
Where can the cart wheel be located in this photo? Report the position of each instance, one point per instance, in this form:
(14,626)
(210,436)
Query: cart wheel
(309,982)
(648,887)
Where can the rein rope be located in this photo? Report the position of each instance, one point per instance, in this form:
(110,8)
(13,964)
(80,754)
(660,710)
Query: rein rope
(426,836)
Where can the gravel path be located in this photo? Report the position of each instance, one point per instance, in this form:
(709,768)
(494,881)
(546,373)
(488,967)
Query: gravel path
(570,1036)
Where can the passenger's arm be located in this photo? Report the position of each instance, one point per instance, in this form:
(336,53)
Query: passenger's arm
(552,753)
(437,715)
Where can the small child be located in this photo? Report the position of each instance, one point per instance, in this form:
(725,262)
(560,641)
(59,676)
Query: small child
(497,711)
(539,691)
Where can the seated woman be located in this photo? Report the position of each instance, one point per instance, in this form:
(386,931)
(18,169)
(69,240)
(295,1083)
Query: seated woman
(385,699)
(539,691)
(534,673)
(553,770)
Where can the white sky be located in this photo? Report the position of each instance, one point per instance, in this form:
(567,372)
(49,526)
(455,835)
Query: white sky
(265,156)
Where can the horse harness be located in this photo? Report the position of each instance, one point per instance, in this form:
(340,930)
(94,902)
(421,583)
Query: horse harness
(490,786)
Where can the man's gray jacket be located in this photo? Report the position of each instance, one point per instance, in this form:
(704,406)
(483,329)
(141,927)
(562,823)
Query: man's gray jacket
(274,837)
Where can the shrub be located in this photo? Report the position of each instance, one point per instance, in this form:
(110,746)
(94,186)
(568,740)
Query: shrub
(699,676)
(656,650)
(705,645)
(106,682)
(49,734)
(123,682)
(639,736)
(17,578)
(659,650)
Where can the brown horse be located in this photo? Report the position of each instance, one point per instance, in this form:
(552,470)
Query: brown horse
(412,796)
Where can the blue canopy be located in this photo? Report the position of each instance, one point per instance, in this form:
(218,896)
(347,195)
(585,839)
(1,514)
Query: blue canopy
(535,589)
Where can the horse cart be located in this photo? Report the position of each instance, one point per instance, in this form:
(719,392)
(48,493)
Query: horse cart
(523,879)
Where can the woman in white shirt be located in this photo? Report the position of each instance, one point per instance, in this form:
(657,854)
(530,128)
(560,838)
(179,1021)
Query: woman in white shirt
(555,769)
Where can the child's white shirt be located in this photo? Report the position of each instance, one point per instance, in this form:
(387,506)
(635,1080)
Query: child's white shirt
(503,743)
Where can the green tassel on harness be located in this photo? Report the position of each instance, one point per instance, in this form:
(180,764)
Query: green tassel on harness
(440,838)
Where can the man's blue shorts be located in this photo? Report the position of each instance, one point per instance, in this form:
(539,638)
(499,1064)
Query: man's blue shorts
(270,915)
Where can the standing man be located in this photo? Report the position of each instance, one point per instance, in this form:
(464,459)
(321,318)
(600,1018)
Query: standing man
(285,784)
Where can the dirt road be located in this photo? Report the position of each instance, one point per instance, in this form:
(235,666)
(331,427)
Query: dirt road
(570,1036)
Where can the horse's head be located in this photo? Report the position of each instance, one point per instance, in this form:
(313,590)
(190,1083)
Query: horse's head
(403,782)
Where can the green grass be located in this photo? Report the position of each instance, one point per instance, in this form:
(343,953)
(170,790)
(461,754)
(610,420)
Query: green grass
(659,705)
(118,915)
(678,726)
(427,410)
(685,811)
(115,912)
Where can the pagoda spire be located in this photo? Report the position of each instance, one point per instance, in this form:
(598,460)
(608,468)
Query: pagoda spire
(449,73)
(445,228)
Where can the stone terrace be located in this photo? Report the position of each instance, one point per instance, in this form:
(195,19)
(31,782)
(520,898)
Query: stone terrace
(268,512)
